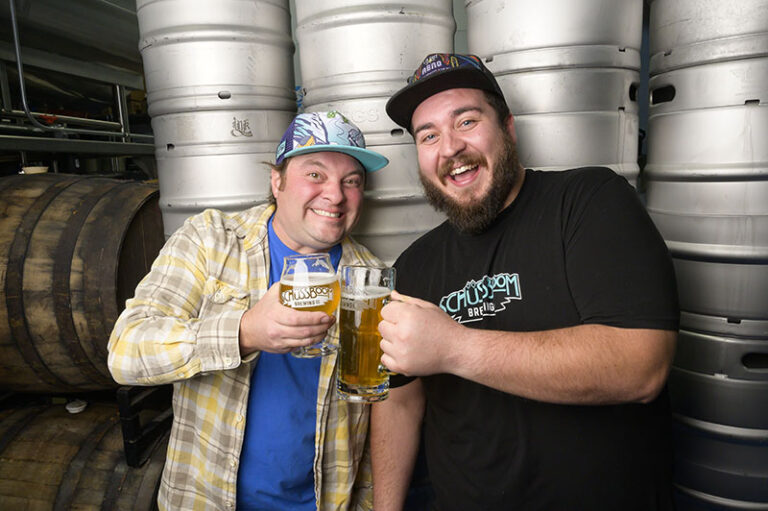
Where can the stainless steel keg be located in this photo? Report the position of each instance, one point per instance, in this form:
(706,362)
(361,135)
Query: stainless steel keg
(707,192)
(220,93)
(570,73)
(353,56)
(707,170)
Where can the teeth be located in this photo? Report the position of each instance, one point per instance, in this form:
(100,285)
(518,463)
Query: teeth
(462,169)
(322,212)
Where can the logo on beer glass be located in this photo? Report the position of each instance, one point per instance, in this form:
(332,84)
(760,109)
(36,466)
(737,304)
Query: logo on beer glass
(302,298)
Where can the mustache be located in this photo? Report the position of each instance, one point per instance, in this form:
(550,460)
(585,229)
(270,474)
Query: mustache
(465,159)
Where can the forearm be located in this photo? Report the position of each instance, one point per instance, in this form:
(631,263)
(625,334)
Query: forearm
(395,434)
(585,364)
(156,349)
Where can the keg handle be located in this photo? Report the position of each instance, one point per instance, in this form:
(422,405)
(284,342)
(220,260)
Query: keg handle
(662,94)
(756,362)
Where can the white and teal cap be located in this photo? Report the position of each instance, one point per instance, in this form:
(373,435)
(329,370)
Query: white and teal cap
(313,132)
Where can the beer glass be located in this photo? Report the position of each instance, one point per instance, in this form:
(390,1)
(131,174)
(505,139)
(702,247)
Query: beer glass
(309,283)
(364,291)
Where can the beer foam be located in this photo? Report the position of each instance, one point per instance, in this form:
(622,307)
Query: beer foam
(377,292)
(308,279)
(369,293)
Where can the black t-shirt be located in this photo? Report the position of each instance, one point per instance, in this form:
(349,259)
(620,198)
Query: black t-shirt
(575,247)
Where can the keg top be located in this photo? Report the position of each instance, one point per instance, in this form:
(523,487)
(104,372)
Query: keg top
(439,72)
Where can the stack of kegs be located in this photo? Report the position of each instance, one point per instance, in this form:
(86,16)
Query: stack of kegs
(570,73)
(707,192)
(219,79)
(353,56)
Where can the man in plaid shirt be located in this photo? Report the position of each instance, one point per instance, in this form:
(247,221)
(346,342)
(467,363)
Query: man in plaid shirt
(254,427)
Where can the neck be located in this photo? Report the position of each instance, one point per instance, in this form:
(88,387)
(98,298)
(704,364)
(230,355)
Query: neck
(513,193)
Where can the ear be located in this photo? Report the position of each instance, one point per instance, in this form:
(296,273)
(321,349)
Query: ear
(509,124)
(276,182)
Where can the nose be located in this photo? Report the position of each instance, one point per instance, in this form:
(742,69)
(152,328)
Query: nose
(333,191)
(451,144)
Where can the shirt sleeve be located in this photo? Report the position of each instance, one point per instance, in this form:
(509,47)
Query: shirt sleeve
(619,270)
(181,322)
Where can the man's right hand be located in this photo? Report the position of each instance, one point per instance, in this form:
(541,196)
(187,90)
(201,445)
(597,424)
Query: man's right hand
(272,327)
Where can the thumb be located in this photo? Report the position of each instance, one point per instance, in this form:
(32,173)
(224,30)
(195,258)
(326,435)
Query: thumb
(411,299)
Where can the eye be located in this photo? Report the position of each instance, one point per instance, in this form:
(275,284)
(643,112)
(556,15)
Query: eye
(467,122)
(428,138)
(313,175)
(354,181)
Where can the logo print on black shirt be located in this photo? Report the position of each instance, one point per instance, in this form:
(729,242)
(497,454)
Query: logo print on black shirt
(482,298)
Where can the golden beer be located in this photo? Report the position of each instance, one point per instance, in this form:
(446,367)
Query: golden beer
(360,377)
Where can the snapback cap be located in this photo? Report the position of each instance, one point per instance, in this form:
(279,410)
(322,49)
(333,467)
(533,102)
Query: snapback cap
(314,132)
(439,72)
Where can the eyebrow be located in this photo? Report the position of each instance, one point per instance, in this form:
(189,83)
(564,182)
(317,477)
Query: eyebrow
(357,172)
(454,114)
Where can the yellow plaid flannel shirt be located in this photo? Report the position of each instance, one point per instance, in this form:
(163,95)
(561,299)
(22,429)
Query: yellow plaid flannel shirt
(182,327)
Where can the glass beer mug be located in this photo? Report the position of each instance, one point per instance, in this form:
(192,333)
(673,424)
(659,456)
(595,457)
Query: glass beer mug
(309,283)
(364,291)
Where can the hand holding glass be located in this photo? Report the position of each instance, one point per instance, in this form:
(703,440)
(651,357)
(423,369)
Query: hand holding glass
(364,291)
(309,283)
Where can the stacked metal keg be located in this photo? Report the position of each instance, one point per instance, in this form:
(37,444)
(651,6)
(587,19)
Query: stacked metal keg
(353,56)
(570,73)
(707,191)
(220,91)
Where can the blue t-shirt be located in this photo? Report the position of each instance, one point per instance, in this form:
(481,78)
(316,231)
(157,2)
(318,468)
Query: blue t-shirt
(279,447)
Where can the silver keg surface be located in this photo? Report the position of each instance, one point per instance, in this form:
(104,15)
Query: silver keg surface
(695,32)
(707,171)
(219,79)
(718,390)
(353,56)
(366,49)
(707,192)
(569,72)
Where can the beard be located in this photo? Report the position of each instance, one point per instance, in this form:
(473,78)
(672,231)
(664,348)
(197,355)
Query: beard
(474,218)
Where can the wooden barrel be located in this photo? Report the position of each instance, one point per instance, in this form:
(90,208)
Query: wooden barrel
(72,249)
(53,460)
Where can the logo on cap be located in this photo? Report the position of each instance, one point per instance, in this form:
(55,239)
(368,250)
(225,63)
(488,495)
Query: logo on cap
(437,62)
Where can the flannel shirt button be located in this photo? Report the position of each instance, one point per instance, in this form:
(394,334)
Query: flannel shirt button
(228,503)
(232,463)
(239,418)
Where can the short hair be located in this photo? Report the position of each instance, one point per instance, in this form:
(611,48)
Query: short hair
(280,169)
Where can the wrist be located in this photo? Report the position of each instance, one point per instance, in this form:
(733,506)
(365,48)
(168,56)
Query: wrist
(244,339)
(461,351)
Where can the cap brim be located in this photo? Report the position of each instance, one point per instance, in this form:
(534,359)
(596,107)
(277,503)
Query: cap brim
(370,160)
(401,105)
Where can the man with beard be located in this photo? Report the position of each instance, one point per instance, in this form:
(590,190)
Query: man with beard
(533,331)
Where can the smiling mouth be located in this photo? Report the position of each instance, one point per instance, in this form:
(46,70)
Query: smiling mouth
(460,170)
(326,214)
(463,175)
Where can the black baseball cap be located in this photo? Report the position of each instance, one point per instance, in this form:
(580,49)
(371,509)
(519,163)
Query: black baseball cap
(439,72)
